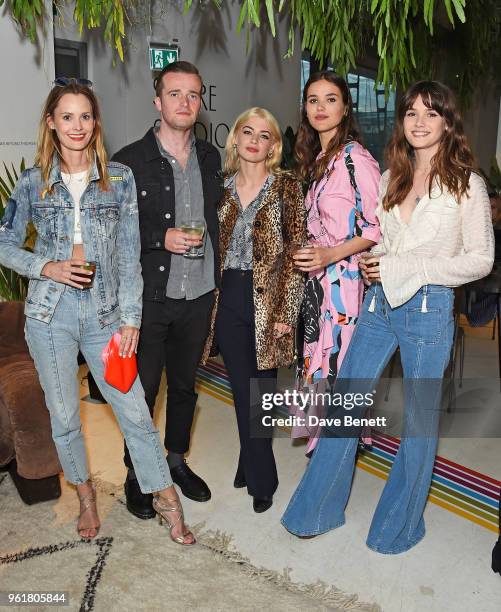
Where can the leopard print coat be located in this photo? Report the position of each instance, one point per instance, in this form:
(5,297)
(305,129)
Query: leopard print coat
(279,226)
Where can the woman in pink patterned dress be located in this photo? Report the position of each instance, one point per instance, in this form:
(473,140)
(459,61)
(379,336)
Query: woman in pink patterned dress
(340,204)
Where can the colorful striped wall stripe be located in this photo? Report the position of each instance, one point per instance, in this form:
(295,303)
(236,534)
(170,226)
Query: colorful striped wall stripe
(454,487)
(213,379)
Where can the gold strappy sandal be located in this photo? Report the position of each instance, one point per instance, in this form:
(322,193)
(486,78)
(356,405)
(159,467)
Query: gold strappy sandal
(87,501)
(162,509)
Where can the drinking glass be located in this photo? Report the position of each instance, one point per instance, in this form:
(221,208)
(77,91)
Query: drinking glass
(195,228)
(90,266)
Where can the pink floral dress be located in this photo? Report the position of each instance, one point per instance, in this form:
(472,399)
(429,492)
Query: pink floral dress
(340,206)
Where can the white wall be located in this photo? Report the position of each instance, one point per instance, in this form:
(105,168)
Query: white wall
(234,78)
(27,71)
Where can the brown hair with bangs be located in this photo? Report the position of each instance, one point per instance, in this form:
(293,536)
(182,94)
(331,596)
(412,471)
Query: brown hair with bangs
(307,145)
(453,163)
(48,142)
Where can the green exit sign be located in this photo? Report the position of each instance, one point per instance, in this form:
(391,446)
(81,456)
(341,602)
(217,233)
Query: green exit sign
(162,56)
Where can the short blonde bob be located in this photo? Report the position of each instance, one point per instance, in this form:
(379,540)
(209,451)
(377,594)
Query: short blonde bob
(232,162)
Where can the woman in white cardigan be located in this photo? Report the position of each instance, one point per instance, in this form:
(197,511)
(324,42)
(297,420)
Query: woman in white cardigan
(437,234)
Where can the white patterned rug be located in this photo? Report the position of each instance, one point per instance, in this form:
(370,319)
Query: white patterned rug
(134,566)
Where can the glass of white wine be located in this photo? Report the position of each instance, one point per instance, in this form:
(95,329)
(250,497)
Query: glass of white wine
(195,228)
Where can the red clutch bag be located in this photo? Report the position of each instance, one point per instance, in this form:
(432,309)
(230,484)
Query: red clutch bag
(119,372)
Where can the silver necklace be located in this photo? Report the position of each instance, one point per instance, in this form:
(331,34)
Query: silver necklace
(418,197)
(74,179)
(78,180)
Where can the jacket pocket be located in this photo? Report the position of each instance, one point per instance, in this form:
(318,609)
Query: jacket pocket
(107,219)
(37,292)
(45,221)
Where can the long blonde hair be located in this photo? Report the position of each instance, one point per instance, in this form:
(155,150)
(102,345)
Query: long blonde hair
(48,141)
(232,162)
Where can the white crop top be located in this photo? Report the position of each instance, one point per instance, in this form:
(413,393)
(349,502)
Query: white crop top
(76,184)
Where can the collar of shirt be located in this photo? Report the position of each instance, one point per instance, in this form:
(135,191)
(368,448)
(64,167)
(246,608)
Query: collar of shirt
(231,184)
(163,151)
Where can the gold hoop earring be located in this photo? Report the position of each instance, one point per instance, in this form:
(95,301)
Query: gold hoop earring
(270,154)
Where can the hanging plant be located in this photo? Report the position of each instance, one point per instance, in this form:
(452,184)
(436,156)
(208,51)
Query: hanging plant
(412,38)
(87,14)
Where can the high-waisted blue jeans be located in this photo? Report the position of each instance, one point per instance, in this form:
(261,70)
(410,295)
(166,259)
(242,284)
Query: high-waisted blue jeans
(423,330)
(54,347)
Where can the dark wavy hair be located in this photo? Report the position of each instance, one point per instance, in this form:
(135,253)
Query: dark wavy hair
(307,145)
(453,163)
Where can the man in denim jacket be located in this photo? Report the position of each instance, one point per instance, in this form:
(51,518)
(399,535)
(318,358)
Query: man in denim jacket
(178,179)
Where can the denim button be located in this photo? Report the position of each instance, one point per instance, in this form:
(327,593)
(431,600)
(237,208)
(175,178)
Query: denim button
(143,192)
(167,215)
(167,187)
(161,268)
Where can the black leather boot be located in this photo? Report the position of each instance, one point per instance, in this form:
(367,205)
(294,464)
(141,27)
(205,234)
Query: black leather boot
(192,486)
(139,504)
(261,504)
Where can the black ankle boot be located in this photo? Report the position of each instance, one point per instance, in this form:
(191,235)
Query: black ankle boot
(240,481)
(496,557)
(261,504)
(192,486)
(139,504)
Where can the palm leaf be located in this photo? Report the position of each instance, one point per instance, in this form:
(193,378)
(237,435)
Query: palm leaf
(12,285)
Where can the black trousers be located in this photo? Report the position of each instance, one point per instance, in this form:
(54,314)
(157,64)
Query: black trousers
(235,334)
(173,335)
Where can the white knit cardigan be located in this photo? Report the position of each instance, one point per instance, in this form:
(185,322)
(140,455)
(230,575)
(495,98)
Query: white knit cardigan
(446,242)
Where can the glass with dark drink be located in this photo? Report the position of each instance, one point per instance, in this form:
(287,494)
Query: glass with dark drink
(91,266)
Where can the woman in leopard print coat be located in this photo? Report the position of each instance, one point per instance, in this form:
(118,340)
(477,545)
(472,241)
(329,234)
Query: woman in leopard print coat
(262,222)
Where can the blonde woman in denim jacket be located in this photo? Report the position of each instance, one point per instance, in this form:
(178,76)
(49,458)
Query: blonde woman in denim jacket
(84,209)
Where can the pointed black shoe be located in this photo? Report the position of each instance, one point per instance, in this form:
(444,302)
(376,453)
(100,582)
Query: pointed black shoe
(239,482)
(192,486)
(496,557)
(261,504)
(139,504)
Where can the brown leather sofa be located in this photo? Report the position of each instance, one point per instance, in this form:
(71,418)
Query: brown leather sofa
(26,446)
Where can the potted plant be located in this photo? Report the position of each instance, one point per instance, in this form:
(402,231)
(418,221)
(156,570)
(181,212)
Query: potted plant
(12,285)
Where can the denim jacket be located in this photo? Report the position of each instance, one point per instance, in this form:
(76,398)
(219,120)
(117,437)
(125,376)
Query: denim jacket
(110,232)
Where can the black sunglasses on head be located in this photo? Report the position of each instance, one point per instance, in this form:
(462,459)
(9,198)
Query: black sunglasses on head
(64,81)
